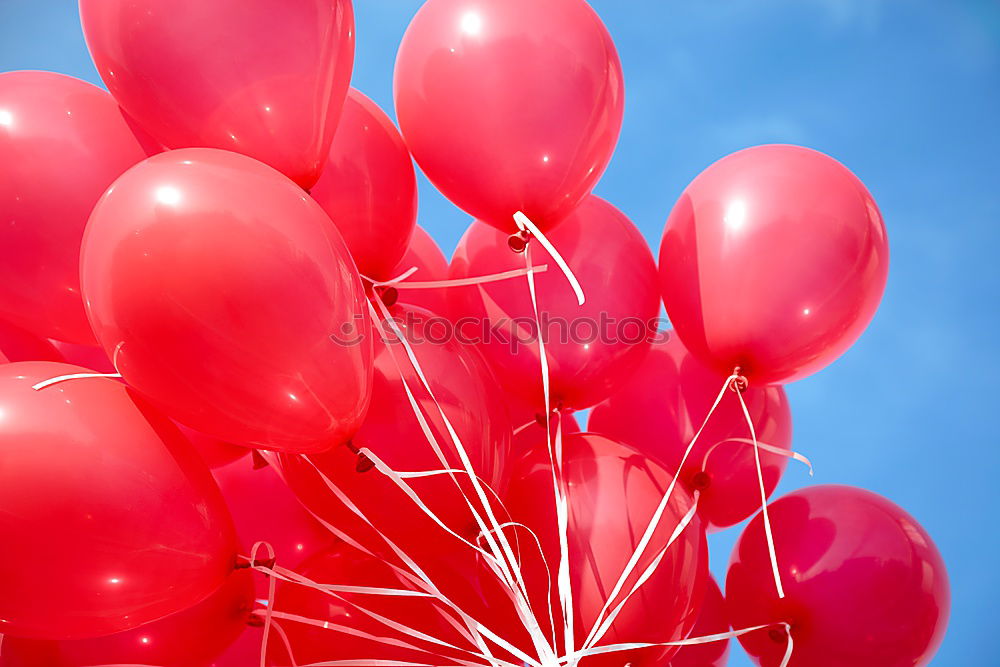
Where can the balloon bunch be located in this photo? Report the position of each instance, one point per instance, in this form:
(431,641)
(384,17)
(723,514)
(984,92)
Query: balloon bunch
(250,414)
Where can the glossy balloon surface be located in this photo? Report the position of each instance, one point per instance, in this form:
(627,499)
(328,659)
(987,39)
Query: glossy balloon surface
(510,106)
(110,518)
(62,143)
(712,620)
(424,254)
(774,259)
(864,583)
(266,78)
(218,285)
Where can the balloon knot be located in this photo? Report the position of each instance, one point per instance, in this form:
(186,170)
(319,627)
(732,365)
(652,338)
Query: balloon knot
(389,295)
(777,636)
(739,383)
(244,563)
(258,460)
(363,464)
(518,241)
(255,621)
(701,480)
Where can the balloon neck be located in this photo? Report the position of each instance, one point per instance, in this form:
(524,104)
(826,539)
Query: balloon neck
(243,563)
(701,480)
(555,412)
(255,621)
(258,460)
(518,241)
(363,463)
(388,294)
(739,383)
(777,636)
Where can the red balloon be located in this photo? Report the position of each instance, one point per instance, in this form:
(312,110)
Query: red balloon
(16,344)
(265,78)
(189,638)
(369,188)
(509,106)
(219,286)
(62,143)
(591,349)
(264,509)
(424,254)
(475,408)
(529,427)
(864,583)
(88,356)
(346,566)
(213,451)
(613,493)
(660,409)
(774,260)
(711,621)
(110,518)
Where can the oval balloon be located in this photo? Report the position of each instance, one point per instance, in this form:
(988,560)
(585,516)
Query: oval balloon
(864,583)
(431,264)
(712,620)
(369,188)
(660,409)
(510,106)
(62,143)
(591,349)
(189,638)
(613,492)
(773,260)
(219,287)
(467,394)
(265,78)
(110,518)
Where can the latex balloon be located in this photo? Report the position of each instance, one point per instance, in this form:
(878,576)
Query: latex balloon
(660,409)
(591,349)
(864,583)
(431,264)
(774,260)
(88,356)
(510,106)
(213,451)
(16,344)
(613,492)
(473,405)
(110,518)
(369,188)
(355,635)
(189,638)
(264,509)
(62,143)
(712,620)
(219,286)
(265,78)
(529,427)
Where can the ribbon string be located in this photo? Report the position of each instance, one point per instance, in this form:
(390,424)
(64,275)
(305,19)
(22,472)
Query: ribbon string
(72,376)
(401,282)
(525,224)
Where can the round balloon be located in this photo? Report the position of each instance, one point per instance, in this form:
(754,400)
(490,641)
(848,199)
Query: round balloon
(613,492)
(660,409)
(369,188)
(864,583)
(773,260)
(431,264)
(110,518)
(189,638)
(712,620)
(510,106)
(221,289)
(591,349)
(266,78)
(62,143)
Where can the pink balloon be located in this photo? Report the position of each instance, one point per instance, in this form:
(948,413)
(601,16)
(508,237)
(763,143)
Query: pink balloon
(62,143)
(592,349)
(660,409)
(864,583)
(424,254)
(266,78)
(368,187)
(712,620)
(19,345)
(218,286)
(774,260)
(512,105)
(189,638)
(110,519)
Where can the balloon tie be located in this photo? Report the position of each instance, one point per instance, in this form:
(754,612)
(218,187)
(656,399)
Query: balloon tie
(525,225)
(258,565)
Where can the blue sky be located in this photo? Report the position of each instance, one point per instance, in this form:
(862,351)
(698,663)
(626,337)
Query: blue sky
(907,94)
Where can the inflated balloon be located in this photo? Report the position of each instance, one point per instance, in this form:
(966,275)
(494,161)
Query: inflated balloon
(529,426)
(469,397)
(16,344)
(591,349)
(219,287)
(660,409)
(88,356)
(510,106)
(431,264)
(712,620)
(369,188)
(189,638)
(613,492)
(110,519)
(265,78)
(773,260)
(62,143)
(347,641)
(213,451)
(864,583)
